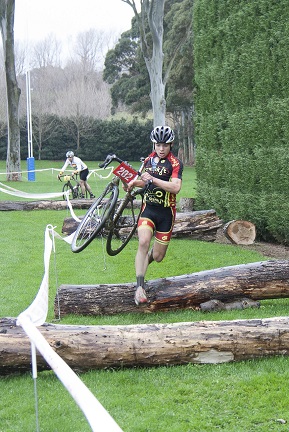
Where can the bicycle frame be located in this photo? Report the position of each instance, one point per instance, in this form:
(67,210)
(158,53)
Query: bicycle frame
(75,190)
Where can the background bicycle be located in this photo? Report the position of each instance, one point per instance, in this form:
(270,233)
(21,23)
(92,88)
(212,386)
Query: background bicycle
(71,184)
(114,219)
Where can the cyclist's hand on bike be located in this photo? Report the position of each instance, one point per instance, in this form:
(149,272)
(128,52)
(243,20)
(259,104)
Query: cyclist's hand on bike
(147,178)
(75,173)
(129,186)
(59,175)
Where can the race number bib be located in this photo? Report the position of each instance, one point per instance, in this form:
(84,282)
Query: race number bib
(125,172)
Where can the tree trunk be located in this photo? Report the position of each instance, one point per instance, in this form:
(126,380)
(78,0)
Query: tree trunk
(86,348)
(154,62)
(255,281)
(13,167)
(185,130)
(152,12)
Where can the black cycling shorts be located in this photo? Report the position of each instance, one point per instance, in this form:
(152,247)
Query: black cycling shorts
(159,220)
(83,174)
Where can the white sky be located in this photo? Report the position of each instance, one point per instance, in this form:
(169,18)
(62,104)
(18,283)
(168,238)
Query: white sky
(36,19)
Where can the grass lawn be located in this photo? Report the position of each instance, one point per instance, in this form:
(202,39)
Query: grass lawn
(243,397)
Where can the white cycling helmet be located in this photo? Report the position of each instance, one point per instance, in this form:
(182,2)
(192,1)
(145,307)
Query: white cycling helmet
(162,134)
(69,154)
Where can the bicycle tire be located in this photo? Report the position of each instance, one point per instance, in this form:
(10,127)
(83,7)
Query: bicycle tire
(78,192)
(95,219)
(65,188)
(124,224)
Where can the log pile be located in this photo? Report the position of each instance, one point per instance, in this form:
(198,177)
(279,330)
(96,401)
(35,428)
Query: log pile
(86,348)
(199,225)
(254,281)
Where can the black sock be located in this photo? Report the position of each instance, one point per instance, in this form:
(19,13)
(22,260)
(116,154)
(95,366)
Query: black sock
(140,281)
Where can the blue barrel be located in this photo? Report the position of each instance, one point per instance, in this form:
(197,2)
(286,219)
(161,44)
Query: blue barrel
(31,168)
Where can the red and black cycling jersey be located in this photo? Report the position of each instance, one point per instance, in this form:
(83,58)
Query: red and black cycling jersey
(165,169)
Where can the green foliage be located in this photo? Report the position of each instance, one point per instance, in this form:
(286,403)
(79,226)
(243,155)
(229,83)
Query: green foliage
(125,69)
(242,105)
(180,84)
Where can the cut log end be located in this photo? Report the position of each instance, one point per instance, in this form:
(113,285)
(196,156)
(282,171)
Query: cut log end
(240,232)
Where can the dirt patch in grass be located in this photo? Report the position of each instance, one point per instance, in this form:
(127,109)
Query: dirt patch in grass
(270,250)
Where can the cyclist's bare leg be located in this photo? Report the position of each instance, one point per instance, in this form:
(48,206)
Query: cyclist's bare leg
(82,185)
(158,252)
(141,259)
(141,263)
(88,188)
(85,187)
(151,255)
(144,258)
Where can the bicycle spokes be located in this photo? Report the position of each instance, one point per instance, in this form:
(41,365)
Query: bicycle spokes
(124,226)
(94,220)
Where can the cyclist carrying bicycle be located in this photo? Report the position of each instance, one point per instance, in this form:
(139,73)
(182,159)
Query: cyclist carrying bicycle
(163,171)
(79,168)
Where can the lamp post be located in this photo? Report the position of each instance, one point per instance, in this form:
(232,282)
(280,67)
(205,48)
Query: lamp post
(30,159)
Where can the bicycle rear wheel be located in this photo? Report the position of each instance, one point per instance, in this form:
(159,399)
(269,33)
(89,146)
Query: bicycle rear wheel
(124,224)
(95,218)
(78,191)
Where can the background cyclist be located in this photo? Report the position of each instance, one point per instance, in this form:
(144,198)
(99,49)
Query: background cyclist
(79,168)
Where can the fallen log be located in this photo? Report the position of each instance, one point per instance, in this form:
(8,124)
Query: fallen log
(202,225)
(240,232)
(255,281)
(43,205)
(86,348)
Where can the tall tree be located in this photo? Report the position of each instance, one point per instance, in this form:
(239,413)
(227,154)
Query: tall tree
(150,22)
(82,98)
(7,10)
(46,53)
(125,69)
(152,14)
(88,48)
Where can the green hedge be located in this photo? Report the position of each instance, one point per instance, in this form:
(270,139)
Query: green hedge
(242,111)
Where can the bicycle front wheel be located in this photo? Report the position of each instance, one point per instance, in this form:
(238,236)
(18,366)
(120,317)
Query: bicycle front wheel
(124,224)
(95,218)
(66,188)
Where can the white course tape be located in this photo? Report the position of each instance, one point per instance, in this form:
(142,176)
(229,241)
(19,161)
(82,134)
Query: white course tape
(35,315)
(67,239)
(11,191)
(96,415)
(71,209)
